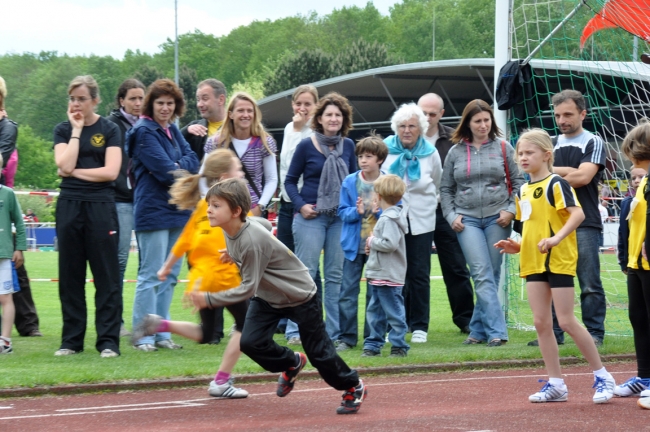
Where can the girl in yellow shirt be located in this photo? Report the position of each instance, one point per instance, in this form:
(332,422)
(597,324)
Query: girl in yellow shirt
(550,212)
(204,246)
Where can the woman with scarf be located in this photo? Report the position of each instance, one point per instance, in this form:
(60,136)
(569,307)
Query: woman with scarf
(479,183)
(415,160)
(129,99)
(244,134)
(323,160)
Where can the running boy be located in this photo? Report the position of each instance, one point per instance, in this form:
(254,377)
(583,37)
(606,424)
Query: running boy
(550,212)
(203,245)
(9,212)
(280,287)
(386,271)
(359,219)
(636,147)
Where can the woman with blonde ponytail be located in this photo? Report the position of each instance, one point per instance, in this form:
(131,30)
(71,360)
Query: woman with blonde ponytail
(203,245)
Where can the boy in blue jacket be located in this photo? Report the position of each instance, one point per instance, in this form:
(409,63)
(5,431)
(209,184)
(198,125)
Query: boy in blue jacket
(359,219)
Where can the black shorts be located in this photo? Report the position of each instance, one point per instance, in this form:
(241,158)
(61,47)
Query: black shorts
(554,280)
(238,312)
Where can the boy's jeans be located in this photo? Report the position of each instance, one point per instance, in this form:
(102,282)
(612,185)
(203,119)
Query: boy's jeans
(386,306)
(349,300)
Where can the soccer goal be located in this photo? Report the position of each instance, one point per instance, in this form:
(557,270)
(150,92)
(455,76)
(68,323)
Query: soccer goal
(594,46)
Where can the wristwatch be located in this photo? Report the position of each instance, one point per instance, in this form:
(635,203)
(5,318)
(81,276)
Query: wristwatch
(262,207)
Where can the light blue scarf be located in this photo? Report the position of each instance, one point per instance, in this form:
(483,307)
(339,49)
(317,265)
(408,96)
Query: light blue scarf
(408,160)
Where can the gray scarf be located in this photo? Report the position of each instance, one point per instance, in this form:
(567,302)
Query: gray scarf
(334,172)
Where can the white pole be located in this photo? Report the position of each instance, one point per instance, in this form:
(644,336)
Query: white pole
(434,34)
(501,53)
(176,42)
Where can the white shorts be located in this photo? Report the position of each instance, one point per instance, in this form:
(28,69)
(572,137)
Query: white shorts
(6,277)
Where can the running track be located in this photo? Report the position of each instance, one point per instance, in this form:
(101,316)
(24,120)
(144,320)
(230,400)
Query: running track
(467,401)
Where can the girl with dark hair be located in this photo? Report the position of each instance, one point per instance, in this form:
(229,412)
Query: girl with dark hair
(323,160)
(129,100)
(88,156)
(479,182)
(157,149)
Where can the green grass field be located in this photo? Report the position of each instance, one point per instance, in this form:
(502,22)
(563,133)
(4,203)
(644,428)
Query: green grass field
(33,362)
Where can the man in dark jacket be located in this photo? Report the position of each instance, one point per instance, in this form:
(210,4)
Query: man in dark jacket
(450,255)
(211,102)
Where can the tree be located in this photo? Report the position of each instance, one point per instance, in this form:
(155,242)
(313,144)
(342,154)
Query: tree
(303,67)
(187,81)
(36,167)
(147,74)
(360,56)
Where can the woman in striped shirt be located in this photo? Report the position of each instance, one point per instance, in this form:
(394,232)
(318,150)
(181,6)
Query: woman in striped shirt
(244,134)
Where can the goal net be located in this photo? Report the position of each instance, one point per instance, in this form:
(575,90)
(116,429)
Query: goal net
(590,46)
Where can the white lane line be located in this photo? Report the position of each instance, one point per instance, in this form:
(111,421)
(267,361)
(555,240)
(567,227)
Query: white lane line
(6,407)
(197,402)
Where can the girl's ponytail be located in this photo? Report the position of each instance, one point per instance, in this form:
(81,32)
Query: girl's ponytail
(185,191)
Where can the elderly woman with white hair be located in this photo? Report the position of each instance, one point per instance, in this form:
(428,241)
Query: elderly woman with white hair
(416,161)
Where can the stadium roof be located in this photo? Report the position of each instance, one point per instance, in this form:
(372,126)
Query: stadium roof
(376,93)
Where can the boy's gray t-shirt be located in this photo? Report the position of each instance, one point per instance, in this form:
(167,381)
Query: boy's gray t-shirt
(269,270)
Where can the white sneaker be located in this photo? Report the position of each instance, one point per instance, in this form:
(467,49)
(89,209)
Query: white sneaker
(226,391)
(644,402)
(632,387)
(419,336)
(645,393)
(145,347)
(146,327)
(294,341)
(65,352)
(604,389)
(108,353)
(124,332)
(550,393)
(168,344)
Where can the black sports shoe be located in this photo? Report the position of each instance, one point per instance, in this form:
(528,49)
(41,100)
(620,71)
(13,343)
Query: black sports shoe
(397,352)
(370,353)
(536,343)
(352,399)
(288,378)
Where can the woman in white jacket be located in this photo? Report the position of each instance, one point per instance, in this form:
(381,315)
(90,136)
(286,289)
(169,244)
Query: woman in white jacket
(417,161)
(303,103)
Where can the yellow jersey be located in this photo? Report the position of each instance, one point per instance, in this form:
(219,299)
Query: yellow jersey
(541,206)
(202,243)
(637,218)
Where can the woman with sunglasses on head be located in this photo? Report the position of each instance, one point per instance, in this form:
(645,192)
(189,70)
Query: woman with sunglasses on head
(88,156)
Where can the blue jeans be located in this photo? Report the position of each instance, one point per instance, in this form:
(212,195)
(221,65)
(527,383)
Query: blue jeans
(386,306)
(592,294)
(151,295)
(125,221)
(285,235)
(349,300)
(311,236)
(477,240)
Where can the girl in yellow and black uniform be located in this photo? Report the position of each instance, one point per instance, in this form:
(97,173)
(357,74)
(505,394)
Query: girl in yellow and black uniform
(550,212)
(636,147)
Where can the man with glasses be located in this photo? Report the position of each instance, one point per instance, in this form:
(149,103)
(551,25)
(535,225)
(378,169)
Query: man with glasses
(450,255)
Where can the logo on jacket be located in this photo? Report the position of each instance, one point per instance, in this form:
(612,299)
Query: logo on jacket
(97,140)
(538,193)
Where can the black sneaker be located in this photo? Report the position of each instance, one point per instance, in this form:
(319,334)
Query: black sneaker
(352,399)
(398,352)
(288,378)
(536,343)
(370,353)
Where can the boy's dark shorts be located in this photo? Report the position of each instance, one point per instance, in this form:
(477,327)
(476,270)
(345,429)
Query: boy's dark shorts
(555,280)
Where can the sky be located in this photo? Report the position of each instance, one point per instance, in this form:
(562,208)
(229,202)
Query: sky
(110,27)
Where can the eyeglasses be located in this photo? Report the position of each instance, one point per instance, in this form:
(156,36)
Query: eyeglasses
(82,99)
